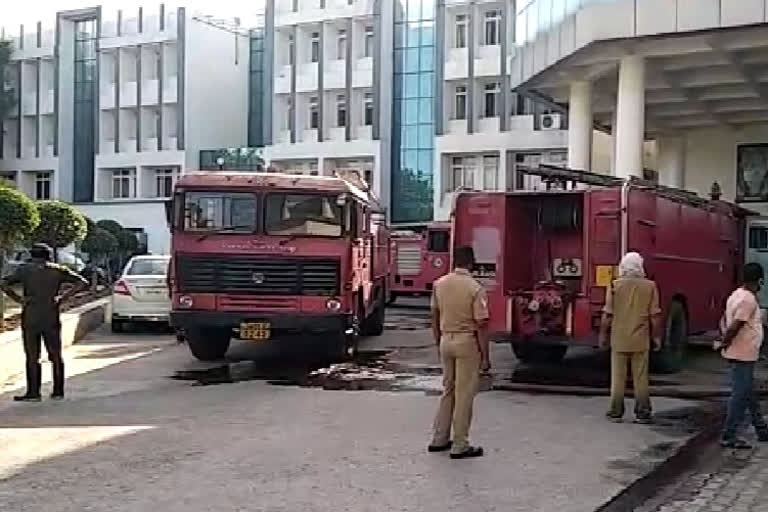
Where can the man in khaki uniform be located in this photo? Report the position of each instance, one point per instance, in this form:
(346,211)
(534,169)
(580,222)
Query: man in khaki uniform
(633,318)
(459,325)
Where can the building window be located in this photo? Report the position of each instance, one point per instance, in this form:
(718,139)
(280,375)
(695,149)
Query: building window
(315,48)
(368,109)
(461,31)
(123,183)
(341,45)
(491,100)
(752,173)
(492,26)
(462,173)
(460,106)
(164,181)
(369,41)
(42,186)
(341,111)
(314,114)
(313,169)
(490,172)
(368,176)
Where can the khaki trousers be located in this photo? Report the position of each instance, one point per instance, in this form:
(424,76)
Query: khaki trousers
(460,358)
(639,363)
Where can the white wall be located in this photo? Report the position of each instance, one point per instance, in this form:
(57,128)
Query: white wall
(216,90)
(149,216)
(711,156)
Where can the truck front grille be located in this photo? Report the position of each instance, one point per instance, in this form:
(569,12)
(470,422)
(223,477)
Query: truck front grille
(408,260)
(257,275)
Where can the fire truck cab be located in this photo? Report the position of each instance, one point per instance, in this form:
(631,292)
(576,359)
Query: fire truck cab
(265,256)
(420,257)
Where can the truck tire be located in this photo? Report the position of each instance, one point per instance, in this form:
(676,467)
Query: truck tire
(374,324)
(672,354)
(536,353)
(392,298)
(208,344)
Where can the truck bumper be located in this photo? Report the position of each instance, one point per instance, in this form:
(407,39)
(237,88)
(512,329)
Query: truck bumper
(279,322)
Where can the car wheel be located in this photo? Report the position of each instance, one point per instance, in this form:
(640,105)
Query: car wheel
(118,326)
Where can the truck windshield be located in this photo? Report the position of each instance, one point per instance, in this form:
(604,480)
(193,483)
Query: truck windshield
(303,214)
(220,211)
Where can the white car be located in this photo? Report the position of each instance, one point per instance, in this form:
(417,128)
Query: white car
(141,293)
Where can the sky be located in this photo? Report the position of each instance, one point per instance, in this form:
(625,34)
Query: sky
(29,12)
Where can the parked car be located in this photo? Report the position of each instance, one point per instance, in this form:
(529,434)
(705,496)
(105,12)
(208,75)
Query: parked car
(63,257)
(141,293)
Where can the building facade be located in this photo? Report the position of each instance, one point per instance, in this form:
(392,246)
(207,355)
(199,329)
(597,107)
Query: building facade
(114,106)
(689,76)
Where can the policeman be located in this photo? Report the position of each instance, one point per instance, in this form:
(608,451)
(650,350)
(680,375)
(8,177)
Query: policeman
(41,281)
(459,325)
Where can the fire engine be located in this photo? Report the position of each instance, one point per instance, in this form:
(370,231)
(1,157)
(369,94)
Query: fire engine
(419,259)
(264,256)
(548,257)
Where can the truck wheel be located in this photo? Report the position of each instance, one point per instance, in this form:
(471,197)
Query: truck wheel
(208,344)
(670,358)
(535,353)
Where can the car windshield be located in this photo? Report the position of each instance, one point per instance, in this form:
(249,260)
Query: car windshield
(303,214)
(148,267)
(217,211)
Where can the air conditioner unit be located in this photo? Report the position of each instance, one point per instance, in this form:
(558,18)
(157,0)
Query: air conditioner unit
(552,122)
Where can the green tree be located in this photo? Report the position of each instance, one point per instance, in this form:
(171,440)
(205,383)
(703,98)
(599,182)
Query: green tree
(110,225)
(7,94)
(60,225)
(18,218)
(127,242)
(99,244)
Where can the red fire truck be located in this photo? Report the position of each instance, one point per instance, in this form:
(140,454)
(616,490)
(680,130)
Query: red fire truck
(419,259)
(548,257)
(265,256)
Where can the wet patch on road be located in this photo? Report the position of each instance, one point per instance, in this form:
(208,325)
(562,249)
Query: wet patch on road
(370,370)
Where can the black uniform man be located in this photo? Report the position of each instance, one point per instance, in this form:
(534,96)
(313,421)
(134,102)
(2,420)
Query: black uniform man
(41,281)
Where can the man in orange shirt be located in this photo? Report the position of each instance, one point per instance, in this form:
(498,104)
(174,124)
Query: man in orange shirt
(741,347)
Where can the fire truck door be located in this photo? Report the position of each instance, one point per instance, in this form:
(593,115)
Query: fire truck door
(641,227)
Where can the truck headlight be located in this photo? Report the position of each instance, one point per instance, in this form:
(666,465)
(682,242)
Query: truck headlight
(437,262)
(185,301)
(333,305)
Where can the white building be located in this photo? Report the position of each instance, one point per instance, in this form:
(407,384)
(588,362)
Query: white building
(330,96)
(484,128)
(114,106)
(691,75)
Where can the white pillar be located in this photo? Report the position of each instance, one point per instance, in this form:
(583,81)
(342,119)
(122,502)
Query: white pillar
(630,117)
(501,181)
(580,126)
(613,143)
(671,161)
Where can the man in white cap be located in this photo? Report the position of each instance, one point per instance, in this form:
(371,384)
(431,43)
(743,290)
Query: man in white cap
(633,318)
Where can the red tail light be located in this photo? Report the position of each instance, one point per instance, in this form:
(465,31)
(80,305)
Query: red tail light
(120,288)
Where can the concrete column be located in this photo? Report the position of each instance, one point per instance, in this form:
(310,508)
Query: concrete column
(613,143)
(630,117)
(501,182)
(580,126)
(671,161)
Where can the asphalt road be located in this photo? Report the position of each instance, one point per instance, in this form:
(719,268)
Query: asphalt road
(131,438)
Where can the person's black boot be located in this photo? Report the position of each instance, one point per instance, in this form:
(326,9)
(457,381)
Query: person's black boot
(58,381)
(34,378)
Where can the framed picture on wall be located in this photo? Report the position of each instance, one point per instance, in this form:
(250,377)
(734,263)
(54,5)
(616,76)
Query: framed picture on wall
(752,173)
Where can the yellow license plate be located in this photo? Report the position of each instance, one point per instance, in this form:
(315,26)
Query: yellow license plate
(255,331)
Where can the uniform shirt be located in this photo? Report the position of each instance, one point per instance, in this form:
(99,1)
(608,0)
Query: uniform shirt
(41,283)
(461,301)
(632,301)
(742,305)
